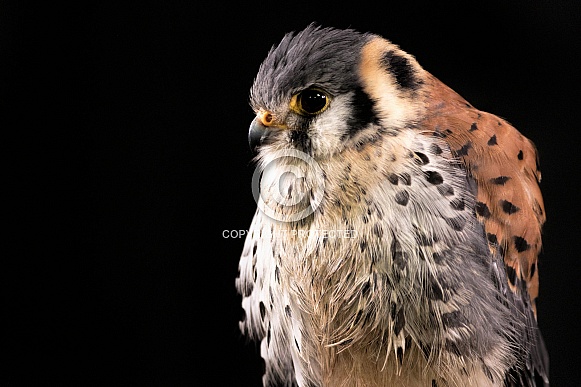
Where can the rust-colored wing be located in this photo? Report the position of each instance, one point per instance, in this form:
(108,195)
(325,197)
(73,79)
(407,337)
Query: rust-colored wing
(504,164)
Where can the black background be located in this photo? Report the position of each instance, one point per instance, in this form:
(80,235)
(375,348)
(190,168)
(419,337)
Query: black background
(127,158)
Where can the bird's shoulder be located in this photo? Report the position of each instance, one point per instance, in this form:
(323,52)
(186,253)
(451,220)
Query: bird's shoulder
(505,167)
(504,164)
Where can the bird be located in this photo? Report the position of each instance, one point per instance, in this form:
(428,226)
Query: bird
(398,227)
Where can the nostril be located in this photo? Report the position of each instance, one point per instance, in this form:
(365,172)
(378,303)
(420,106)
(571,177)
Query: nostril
(267,119)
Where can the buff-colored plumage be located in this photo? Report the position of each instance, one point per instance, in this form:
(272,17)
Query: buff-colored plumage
(398,227)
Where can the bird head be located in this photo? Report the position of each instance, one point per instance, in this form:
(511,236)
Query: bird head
(323,90)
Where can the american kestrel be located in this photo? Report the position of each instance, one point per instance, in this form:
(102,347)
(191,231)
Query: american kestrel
(398,227)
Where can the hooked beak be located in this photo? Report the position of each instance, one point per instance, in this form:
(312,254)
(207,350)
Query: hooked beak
(260,128)
(256,134)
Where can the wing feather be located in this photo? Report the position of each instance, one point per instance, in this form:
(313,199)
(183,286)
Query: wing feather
(504,165)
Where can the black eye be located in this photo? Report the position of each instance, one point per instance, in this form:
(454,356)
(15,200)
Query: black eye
(310,102)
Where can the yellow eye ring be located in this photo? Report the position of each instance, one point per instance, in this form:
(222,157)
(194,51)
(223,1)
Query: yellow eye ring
(310,102)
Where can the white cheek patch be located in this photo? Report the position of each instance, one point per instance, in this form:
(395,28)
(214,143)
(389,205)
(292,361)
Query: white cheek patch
(395,108)
(328,129)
